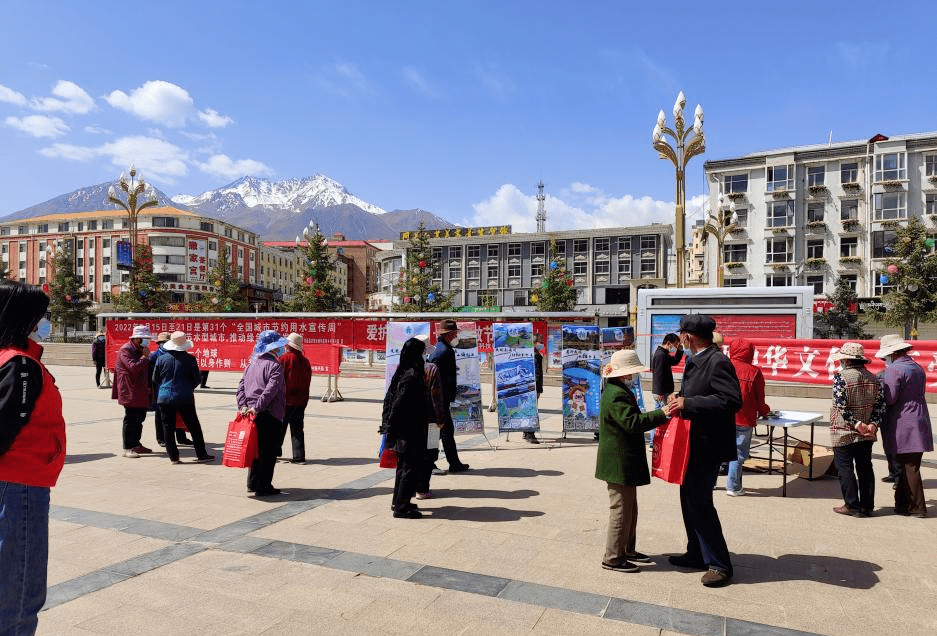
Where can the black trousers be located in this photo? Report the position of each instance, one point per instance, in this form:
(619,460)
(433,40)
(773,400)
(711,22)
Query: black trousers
(705,541)
(204,378)
(447,435)
(133,426)
(190,417)
(426,469)
(160,437)
(909,491)
(98,367)
(293,420)
(856,481)
(405,479)
(260,474)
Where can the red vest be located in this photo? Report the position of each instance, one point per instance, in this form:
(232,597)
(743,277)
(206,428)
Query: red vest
(38,452)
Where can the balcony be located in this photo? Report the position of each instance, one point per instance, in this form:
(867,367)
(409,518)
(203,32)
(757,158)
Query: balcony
(818,191)
(852,187)
(851,225)
(816,227)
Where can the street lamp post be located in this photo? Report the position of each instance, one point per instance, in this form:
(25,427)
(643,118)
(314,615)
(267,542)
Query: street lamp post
(721,225)
(689,142)
(133,188)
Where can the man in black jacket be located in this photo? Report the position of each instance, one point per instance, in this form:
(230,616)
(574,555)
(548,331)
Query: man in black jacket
(443,356)
(709,397)
(668,354)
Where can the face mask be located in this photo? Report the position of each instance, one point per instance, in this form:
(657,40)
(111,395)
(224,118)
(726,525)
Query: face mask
(43,330)
(145,342)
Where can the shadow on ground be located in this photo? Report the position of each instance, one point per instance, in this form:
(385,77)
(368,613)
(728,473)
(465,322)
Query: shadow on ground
(759,568)
(512,472)
(90,457)
(480,514)
(458,493)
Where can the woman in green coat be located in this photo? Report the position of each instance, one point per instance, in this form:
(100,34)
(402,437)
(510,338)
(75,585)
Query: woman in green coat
(622,458)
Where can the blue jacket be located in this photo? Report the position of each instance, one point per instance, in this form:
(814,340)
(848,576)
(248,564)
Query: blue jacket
(175,377)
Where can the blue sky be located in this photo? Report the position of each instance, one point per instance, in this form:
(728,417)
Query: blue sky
(459,108)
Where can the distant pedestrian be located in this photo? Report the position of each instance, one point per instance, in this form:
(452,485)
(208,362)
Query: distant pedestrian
(857,413)
(181,440)
(530,436)
(32,453)
(668,354)
(262,393)
(175,378)
(443,356)
(906,431)
(752,387)
(298,376)
(203,376)
(98,355)
(132,388)
(621,460)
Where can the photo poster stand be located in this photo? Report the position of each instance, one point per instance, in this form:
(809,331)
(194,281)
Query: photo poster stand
(582,380)
(515,378)
(397,334)
(466,409)
(614,339)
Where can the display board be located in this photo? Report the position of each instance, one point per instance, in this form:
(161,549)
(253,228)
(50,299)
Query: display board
(582,382)
(515,378)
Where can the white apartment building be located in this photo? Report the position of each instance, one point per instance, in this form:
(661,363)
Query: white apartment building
(809,214)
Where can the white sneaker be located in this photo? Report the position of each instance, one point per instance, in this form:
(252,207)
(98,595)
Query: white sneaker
(131,453)
(736,493)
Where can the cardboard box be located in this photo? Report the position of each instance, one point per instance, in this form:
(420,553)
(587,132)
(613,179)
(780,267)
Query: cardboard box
(822,460)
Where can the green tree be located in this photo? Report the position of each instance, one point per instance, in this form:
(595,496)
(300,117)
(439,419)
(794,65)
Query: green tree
(841,321)
(227,294)
(912,275)
(556,291)
(315,290)
(415,290)
(69,304)
(145,293)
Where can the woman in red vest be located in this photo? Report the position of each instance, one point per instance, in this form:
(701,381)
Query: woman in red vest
(32,452)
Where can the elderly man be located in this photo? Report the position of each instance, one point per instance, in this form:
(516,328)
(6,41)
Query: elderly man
(709,397)
(906,431)
(443,356)
(132,388)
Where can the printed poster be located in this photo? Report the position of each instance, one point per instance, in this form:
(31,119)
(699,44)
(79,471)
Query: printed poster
(582,380)
(515,378)
(466,409)
(613,339)
(397,334)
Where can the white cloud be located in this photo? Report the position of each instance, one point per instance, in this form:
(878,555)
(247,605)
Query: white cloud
(157,101)
(418,83)
(213,119)
(497,81)
(158,159)
(39,125)
(344,79)
(10,96)
(94,129)
(224,166)
(70,152)
(69,98)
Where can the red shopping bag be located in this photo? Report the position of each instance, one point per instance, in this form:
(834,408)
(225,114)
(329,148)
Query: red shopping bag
(180,424)
(240,445)
(388,458)
(671,450)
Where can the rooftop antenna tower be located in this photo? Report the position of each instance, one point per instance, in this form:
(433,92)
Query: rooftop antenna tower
(541,210)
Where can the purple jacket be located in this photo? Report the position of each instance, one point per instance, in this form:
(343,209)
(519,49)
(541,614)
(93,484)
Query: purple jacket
(131,377)
(263,387)
(907,427)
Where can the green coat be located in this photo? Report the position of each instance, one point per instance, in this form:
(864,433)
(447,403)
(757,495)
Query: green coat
(622,458)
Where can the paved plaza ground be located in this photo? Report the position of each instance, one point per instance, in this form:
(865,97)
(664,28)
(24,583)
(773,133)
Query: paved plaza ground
(140,546)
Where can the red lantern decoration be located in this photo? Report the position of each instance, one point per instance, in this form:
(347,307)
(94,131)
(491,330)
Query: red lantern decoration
(309,280)
(569,281)
(68,297)
(320,293)
(422,263)
(406,299)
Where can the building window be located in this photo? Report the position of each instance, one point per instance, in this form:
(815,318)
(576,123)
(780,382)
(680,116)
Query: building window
(520,298)
(455,251)
(624,267)
(241,236)
(493,272)
(815,249)
(624,244)
(167,241)
(849,173)
(890,205)
(5,230)
(780,213)
(492,251)
(22,229)
(930,204)
(473,272)
(601,244)
(107,224)
(536,270)
(879,288)
(849,209)
(92,225)
(735,183)
(580,268)
(514,250)
(778,280)
(205,226)
(890,167)
(165,221)
(851,279)
(473,251)
(514,271)
(734,282)
(883,244)
(63,227)
(815,212)
(455,273)
(817,283)
(648,266)
(213,246)
(227,232)
(538,249)
(930,165)
(601,267)
(22,248)
(42,228)
(580,246)
(778,250)
(816,175)
(559,250)
(735,253)
(648,243)
(780,178)
(849,246)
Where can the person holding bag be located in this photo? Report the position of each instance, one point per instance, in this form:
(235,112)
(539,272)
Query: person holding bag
(262,392)
(621,460)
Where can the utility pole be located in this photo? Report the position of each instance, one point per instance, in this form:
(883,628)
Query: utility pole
(541,210)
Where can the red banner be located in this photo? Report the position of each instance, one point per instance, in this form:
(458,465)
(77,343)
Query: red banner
(324,359)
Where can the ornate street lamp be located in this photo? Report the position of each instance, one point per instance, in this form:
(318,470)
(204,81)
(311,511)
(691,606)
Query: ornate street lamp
(133,188)
(689,142)
(721,225)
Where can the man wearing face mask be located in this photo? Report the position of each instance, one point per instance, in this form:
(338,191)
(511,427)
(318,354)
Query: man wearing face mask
(132,388)
(668,354)
(709,397)
(443,356)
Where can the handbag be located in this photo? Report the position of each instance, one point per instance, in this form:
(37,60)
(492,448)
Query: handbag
(240,444)
(388,457)
(671,450)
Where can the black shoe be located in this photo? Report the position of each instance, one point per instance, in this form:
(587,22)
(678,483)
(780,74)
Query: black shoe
(409,513)
(889,479)
(297,461)
(686,561)
(267,492)
(639,558)
(622,566)
(163,444)
(204,386)
(207,459)
(184,442)
(461,468)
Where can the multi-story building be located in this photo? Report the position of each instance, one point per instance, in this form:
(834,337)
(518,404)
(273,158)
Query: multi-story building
(809,214)
(185,249)
(499,269)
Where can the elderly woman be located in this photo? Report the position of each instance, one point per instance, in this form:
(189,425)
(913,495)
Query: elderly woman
(32,452)
(262,393)
(621,461)
(906,432)
(857,412)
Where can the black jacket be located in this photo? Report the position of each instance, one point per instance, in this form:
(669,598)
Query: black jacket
(711,397)
(405,414)
(661,366)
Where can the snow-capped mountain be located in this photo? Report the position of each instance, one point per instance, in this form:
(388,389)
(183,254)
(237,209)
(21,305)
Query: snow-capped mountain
(81,200)
(295,195)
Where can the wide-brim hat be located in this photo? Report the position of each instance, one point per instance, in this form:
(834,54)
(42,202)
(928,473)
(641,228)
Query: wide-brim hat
(163,336)
(268,341)
(623,362)
(850,351)
(178,341)
(699,325)
(891,343)
(295,340)
(447,326)
(141,331)
(100,333)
